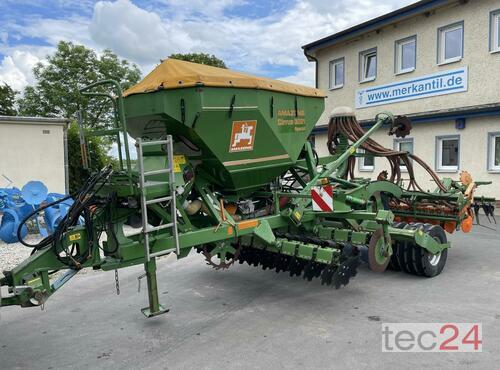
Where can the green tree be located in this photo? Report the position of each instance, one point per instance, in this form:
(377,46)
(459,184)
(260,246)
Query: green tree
(7,100)
(55,94)
(200,58)
(97,152)
(70,68)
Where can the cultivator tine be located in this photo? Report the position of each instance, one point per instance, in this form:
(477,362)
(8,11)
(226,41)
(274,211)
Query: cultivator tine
(268,260)
(489,210)
(312,270)
(296,266)
(309,271)
(347,270)
(476,207)
(327,275)
(282,263)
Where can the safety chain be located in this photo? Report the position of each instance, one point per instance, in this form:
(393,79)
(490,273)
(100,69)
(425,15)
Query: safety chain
(117,283)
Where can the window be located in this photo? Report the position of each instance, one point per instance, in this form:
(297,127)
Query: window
(447,153)
(406,55)
(366,164)
(451,43)
(336,74)
(368,65)
(495,31)
(494,151)
(403,145)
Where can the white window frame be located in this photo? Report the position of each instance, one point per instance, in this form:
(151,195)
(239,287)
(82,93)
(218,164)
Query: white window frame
(494,32)
(398,55)
(442,43)
(397,147)
(491,152)
(439,153)
(333,65)
(363,58)
(361,163)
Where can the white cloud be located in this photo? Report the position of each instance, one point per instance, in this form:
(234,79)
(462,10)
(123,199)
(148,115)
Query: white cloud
(137,34)
(74,28)
(211,8)
(245,44)
(145,36)
(16,69)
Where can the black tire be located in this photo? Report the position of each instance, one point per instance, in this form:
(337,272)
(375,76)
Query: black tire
(406,257)
(394,263)
(426,263)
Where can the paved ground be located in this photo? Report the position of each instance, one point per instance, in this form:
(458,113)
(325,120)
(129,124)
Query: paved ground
(249,318)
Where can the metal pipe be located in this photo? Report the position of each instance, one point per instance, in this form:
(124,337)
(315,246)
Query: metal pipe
(333,166)
(121,114)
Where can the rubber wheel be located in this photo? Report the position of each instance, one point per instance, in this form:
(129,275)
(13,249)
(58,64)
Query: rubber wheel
(405,255)
(394,262)
(426,263)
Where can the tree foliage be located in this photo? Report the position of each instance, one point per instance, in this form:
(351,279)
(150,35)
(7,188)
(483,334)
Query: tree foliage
(55,94)
(200,58)
(7,100)
(70,68)
(97,152)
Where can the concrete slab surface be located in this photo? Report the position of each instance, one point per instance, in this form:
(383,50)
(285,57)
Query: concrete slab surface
(247,318)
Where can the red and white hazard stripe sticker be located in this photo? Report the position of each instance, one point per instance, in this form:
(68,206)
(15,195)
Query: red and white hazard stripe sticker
(322,198)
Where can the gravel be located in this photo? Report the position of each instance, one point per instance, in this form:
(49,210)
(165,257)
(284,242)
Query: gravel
(12,255)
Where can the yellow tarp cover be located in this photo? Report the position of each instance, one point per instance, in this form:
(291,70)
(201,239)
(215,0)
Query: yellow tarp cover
(174,74)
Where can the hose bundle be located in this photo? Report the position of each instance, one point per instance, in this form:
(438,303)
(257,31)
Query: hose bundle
(85,206)
(349,127)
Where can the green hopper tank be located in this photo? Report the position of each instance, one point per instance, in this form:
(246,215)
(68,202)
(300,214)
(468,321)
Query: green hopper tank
(247,130)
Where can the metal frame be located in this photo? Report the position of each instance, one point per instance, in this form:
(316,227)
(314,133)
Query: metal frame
(352,219)
(361,65)
(331,66)
(398,141)
(143,184)
(438,155)
(490,142)
(361,166)
(397,57)
(440,31)
(494,33)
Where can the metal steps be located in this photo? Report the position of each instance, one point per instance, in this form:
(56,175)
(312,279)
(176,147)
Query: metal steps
(143,183)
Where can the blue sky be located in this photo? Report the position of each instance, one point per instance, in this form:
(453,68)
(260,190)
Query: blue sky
(259,37)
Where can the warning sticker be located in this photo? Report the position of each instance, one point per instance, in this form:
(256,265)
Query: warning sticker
(242,136)
(178,161)
(322,198)
(75,237)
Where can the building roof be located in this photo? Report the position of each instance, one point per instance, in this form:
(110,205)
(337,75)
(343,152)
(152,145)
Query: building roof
(34,120)
(175,74)
(375,23)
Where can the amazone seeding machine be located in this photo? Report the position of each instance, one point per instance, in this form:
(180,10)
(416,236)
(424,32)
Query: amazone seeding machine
(224,166)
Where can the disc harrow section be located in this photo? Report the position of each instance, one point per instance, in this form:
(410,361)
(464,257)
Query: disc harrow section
(306,256)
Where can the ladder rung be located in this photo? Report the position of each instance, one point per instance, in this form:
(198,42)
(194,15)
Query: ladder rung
(159,200)
(157,172)
(161,253)
(154,183)
(160,227)
(156,142)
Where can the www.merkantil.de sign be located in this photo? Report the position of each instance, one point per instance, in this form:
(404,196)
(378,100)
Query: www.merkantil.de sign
(446,82)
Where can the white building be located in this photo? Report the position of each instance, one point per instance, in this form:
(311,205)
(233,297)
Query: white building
(33,148)
(436,61)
